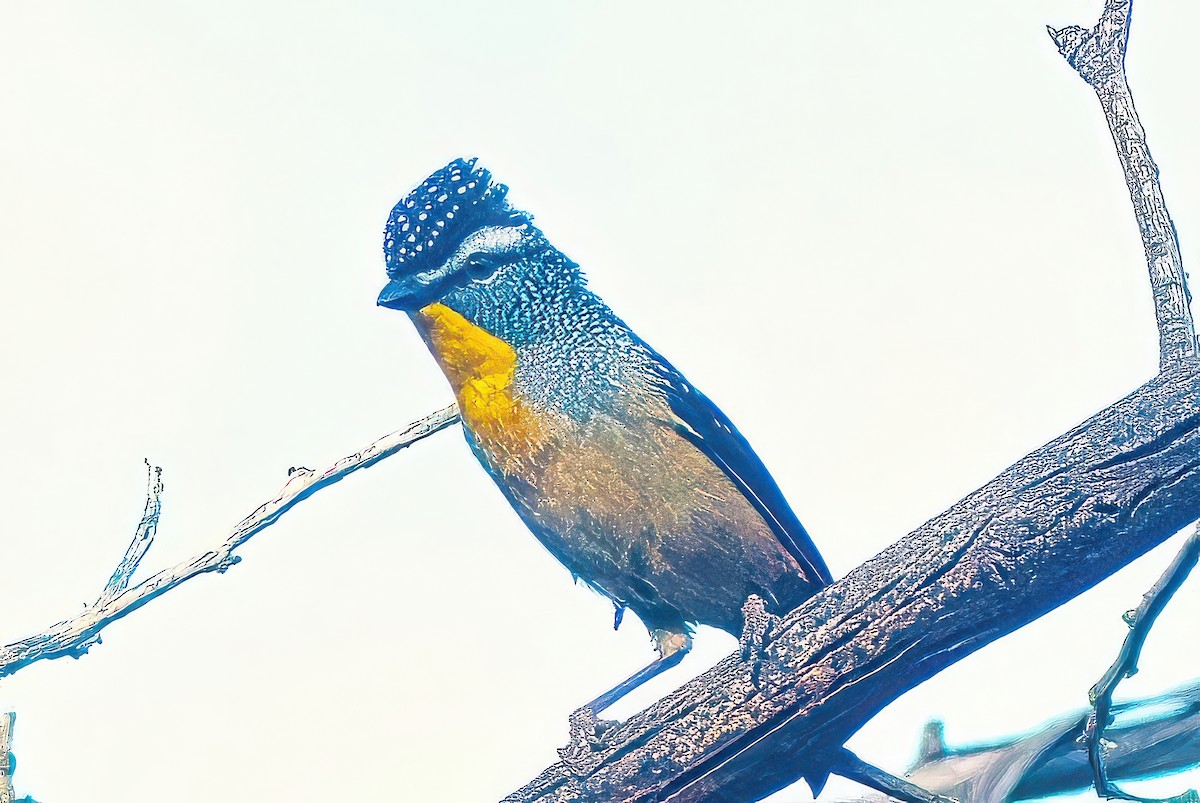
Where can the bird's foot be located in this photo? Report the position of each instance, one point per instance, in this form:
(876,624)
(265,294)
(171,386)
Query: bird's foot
(756,634)
(587,738)
(758,628)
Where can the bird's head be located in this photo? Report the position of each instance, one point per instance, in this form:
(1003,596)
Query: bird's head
(456,240)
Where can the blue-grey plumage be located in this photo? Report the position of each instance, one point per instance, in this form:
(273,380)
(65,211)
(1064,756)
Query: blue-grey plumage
(630,477)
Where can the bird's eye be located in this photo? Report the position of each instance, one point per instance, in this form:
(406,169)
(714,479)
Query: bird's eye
(483,265)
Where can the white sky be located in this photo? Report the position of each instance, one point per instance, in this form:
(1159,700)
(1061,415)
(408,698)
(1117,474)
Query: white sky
(890,239)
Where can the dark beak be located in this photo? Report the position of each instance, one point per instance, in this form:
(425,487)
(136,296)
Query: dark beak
(406,294)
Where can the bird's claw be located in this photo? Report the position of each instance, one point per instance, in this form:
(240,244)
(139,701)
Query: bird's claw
(758,629)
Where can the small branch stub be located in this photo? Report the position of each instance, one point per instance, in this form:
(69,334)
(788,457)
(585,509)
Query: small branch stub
(848,765)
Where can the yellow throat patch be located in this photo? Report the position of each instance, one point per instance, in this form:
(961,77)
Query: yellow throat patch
(480,367)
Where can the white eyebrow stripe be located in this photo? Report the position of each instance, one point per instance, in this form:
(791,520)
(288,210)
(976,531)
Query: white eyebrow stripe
(489,239)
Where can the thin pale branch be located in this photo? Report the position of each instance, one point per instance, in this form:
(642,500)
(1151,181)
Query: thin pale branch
(73,637)
(1140,622)
(1098,55)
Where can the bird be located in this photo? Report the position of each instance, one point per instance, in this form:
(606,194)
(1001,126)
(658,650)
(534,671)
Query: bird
(626,473)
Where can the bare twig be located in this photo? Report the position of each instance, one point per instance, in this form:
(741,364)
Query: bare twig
(1140,622)
(1098,55)
(73,637)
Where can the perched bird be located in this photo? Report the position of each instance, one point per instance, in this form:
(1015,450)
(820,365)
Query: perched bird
(625,472)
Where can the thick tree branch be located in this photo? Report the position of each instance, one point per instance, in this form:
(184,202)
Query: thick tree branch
(73,637)
(1098,55)
(1048,528)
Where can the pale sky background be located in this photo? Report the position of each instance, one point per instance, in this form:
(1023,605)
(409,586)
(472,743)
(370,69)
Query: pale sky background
(890,239)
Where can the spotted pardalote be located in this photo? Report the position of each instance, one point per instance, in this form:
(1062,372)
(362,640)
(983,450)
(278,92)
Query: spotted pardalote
(624,471)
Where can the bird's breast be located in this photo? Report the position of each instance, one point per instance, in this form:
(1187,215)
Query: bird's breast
(480,368)
(620,497)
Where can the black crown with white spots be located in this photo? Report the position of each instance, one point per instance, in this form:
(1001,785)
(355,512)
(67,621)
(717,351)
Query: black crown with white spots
(432,220)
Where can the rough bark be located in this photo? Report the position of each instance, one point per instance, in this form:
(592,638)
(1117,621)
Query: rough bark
(1051,526)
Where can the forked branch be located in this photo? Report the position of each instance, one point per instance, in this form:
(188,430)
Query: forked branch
(73,637)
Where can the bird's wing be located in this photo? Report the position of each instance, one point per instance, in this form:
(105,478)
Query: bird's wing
(702,422)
